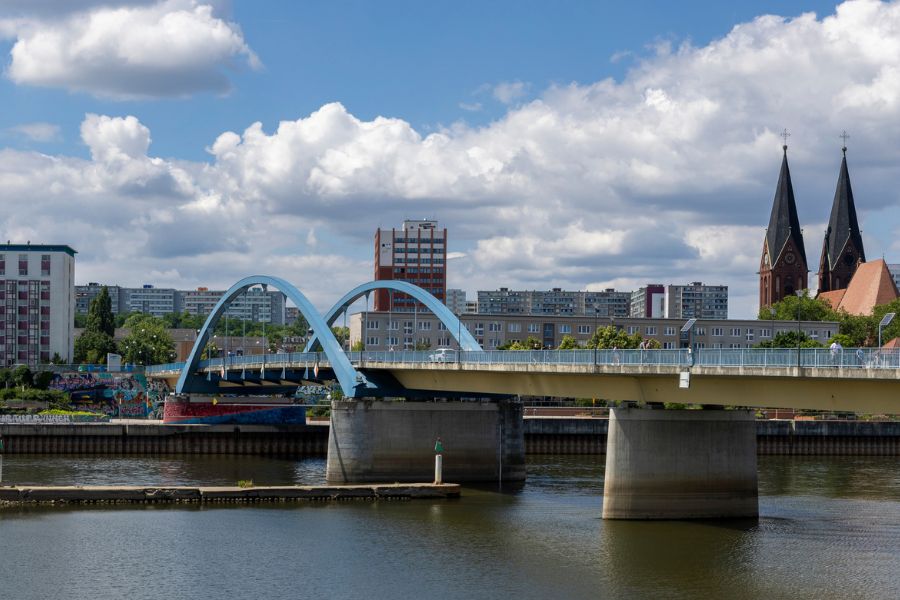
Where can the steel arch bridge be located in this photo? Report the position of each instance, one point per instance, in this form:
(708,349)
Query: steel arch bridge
(353,383)
(462,336)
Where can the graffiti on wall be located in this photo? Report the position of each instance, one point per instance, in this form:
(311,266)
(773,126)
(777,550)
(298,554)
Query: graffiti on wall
(113,394)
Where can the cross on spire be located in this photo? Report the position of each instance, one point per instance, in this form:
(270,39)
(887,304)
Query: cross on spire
(784,135)
(844,136)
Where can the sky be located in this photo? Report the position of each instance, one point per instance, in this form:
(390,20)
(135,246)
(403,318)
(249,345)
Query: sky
(581,145)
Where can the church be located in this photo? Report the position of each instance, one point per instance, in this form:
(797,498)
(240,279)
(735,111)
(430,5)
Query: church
(845,279)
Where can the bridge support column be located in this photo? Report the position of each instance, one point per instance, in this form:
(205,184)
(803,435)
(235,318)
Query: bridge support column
(376,441)
(680,464)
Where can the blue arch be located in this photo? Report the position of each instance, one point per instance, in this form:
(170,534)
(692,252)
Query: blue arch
(352,382)
(462,336)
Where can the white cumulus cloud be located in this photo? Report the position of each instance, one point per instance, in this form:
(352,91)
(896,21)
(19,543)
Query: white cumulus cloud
(170,48)
(665,176)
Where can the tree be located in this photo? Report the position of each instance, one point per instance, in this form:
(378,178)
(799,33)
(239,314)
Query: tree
(811,309)
(358,346)
(42,380)
(788,339)
(148,342)
(609,337)
(568,343)
(100,317)
(22,376)
(96,341)
(423,345)
(342,334)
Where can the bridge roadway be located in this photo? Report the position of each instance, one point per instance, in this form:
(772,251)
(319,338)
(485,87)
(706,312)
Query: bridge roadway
(867,382)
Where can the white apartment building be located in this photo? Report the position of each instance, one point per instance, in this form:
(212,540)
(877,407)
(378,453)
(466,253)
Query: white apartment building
(37,303)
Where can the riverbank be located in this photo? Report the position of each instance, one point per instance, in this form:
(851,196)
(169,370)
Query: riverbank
(543,435)
(119,494)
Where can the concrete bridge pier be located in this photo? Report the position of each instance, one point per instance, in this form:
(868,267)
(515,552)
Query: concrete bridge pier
(680,464)
(377,441)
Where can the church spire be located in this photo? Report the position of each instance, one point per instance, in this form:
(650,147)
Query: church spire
(783,266)
(842,250)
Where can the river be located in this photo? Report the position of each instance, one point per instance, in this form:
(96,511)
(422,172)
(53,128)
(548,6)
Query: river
(829,527)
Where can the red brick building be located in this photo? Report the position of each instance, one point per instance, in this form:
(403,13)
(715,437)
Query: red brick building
(417,253)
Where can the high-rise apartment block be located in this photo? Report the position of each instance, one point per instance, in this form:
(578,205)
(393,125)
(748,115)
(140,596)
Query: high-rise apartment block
(649,301)
(37,303)
(654,301)
(606,303)
(254,304)
(417,253)
(696,301)
(456,301)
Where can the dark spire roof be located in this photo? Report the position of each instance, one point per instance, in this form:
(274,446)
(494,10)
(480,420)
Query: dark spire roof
(843,226)
(784,224)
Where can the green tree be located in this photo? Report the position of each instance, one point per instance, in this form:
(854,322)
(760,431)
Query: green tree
(423,345)
(358,346)
(892,330)
(22,376)
(568,343)
(788,339)
(810,309)
(42,380)
(100,317)
(342,334)
(96,341)
(610,336)
(148,341)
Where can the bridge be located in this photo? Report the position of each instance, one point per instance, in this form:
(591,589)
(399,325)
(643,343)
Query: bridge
(852,380)
(660,463)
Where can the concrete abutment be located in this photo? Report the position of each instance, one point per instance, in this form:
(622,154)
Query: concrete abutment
(680,464)
(376,441)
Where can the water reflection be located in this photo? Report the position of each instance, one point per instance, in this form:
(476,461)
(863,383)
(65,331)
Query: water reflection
(829,528)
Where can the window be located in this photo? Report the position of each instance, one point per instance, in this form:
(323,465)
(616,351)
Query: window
(23,265)
(668,345)
(718,332)
(670,331)
(441,326)
(494,327)
(45,265)
(651,330)
(565,329)
(372,341)
(372,325)
(584,329)
(700,331)
(633,329)
(391,341)
(2,264)
(534,328)
(765,333)
(735,332)
(515,327)
(393,326)
(750,334)
(424,325)
(479,328)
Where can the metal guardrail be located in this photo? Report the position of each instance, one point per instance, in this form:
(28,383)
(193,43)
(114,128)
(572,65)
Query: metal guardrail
(845,358)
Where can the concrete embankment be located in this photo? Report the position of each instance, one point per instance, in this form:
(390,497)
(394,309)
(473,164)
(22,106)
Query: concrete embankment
(543,435)
(564,435)
(156,438)
(24,495)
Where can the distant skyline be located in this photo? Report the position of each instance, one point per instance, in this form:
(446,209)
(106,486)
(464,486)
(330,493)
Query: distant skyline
(580,145)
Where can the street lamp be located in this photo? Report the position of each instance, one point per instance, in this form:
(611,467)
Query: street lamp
(885,321)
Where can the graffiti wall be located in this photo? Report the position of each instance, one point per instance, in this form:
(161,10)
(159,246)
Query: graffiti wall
(123,395)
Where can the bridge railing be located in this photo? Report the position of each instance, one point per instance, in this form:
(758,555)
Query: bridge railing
(849,358)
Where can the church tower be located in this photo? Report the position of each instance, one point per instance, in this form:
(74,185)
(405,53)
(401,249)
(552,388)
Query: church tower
(783,268)
(843,250)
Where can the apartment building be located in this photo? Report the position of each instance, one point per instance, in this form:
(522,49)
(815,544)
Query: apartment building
(416,253)
(37,303)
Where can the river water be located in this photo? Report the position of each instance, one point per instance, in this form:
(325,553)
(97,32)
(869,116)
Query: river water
(829,528)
